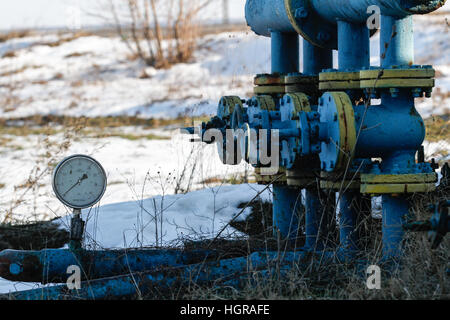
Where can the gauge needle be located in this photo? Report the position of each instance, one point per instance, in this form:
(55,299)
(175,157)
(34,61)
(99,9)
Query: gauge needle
(84,177)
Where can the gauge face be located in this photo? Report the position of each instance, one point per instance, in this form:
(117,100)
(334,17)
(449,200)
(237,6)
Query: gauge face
(79,181)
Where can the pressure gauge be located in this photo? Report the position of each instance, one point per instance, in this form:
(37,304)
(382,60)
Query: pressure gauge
(79,181)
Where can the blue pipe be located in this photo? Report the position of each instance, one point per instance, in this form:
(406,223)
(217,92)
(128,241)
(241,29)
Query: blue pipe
(396,42)
(50,265)
(313,216)
(287,202)
(395,214)
(353,46)
(285,52)
(391,126)
(316,59)
(356,10)
(348,216)
(264,16)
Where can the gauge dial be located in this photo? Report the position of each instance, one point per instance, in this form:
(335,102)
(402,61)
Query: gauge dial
(79,181)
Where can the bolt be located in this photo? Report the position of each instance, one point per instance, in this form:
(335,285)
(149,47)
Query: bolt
(416,92)
(324,166)
(335,117)
(323,36)
(15,268)
(394,92)
(301,13)
(331,164)
(320,101)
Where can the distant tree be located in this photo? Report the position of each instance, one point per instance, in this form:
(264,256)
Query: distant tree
(160,32)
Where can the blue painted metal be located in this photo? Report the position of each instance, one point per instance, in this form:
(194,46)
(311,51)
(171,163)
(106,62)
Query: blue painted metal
(266,16)
(287,202)
(50,265)
(355,11)
(395,214)
(353,47)
(396,41)
(285,52)
(316,59)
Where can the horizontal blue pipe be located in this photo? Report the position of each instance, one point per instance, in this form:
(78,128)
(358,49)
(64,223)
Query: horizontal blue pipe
(224,271)
(391,126)
(50,265)
(356,10)
(265,16)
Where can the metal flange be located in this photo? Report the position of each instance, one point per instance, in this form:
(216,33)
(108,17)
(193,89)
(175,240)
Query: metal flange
(291,105)
(335,181)
(269,84)
(336,111)
(226,107)
(302,83)
(337,80)
(300,178)
(411,77)
(310,25)
(279,178)
(398,183)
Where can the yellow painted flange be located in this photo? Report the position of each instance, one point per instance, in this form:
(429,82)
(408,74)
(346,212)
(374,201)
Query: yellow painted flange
(397,188)
(397,83)
(268,79)
(227,105)
(345,119)
(301,79)
(300,103)
(424,73)
(266,102)
(338,76)
(301,179)
(398,183)
(334,181)
(270,89)
(339,85)
(339,80)
(398,78)
(266,179)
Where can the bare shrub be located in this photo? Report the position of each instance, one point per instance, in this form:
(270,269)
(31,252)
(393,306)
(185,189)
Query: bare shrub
(145,25)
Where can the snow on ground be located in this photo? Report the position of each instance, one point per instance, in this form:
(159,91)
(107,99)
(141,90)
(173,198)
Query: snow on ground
(198,214)
(135,169)
(195,215)
(93,75)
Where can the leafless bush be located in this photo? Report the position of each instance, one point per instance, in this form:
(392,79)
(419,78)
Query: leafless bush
(160,33)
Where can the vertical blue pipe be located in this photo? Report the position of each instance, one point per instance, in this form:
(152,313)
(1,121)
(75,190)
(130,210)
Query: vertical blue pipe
(286,208)
(353,54)
(285,52)
(348,221)
(316,59)
(353,46)
(396,49)
(396,41)
(395,212)
(312,219)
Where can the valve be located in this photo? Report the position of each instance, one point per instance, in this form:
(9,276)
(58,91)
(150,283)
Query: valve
(437,226)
